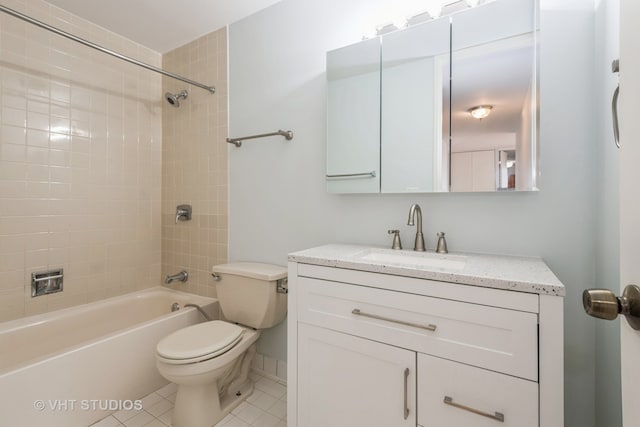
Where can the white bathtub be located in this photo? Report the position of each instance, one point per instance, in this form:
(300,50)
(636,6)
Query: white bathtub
(73,367)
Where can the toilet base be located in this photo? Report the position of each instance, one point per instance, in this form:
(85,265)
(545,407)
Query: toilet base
(210,389)
(200,406)
(231,400)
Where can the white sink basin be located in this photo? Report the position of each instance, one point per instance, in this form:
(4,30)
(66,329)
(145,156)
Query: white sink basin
(412,259)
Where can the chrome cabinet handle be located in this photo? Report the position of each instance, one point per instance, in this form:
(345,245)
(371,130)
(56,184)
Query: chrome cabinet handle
(406,387)
(615,68)
(371,174)
(614,114)
(429,327)
(495,416)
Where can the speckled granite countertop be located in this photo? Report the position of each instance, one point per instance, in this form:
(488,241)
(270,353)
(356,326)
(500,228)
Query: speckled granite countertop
(492,271)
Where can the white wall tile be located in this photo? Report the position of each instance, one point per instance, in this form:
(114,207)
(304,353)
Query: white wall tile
(270,366)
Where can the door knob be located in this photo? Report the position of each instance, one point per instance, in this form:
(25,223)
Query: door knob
(604,304)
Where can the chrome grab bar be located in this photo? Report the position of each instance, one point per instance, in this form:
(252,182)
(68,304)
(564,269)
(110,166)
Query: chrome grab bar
(498,416)
(615,68)
(288,135)
(429,327)
(45,278)
(371,174)
(77,39)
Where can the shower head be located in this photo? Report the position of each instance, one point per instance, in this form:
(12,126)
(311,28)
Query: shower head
(174,100)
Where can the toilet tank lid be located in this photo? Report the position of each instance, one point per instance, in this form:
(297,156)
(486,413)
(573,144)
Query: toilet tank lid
(254,270)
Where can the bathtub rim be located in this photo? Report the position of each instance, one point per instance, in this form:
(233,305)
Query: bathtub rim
(34,319)
(17,324)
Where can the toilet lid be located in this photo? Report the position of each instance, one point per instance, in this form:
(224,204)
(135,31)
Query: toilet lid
(204,339)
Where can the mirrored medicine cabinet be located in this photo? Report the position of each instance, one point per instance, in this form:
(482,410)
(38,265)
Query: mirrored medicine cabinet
(399,105)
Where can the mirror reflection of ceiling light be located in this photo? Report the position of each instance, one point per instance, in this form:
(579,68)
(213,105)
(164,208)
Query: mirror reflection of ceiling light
(481,111)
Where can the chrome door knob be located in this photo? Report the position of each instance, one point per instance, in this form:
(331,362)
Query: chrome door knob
(600,303)
(604,304)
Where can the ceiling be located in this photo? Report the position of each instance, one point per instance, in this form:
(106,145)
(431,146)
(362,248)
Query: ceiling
(162,25)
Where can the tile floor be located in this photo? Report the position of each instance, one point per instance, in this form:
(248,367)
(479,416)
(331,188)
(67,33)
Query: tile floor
(266,407)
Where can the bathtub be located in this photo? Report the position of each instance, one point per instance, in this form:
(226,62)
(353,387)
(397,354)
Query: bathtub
(75,366)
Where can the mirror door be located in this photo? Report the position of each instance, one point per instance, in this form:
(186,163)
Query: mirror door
(494,102)
(415,127)
(353,115)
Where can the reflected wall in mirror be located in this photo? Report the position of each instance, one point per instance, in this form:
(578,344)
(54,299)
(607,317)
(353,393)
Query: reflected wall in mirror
(353,118)
(415,75)
(494,65)
(410,112)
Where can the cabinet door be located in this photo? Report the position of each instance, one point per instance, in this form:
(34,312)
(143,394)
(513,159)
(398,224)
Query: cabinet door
(415,79)
(353,118)
(349,381)
(453,394)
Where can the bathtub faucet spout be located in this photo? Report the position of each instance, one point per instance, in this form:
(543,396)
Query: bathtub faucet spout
(183,276)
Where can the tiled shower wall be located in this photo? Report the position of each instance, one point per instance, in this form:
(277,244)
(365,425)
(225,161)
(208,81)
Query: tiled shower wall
(80,163)
(194,164)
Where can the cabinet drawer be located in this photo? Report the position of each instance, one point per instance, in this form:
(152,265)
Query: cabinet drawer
(498,339)
(453,394)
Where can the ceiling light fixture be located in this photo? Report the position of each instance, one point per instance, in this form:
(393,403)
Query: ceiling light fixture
(481,111)
(386,28)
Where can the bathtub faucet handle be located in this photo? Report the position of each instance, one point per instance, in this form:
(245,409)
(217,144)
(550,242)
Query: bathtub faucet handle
(183,276)
(183,213)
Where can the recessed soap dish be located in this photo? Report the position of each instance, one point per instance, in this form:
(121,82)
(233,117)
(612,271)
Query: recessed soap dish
(46,282)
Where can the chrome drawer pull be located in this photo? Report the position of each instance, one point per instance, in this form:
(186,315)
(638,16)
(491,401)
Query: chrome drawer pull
(497,416)
(357,312)
(406,387)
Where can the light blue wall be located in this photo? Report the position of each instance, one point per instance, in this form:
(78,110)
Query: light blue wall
(278,201)
(608,398)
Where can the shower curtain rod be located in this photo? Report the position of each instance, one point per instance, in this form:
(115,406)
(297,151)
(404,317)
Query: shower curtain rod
(55,30)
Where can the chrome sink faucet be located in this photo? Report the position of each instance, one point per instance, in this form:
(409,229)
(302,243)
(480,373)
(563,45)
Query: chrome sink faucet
(415,209)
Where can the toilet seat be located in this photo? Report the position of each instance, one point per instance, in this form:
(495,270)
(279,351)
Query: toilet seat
(199,342)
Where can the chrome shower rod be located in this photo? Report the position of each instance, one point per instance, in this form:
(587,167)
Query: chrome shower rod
(59,32)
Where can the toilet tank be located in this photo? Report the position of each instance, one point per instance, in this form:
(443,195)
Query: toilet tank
(248,294)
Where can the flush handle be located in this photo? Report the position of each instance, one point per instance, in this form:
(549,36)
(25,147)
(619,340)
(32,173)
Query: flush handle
(604,304)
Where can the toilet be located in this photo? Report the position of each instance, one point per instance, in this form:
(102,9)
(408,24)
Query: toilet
(210,361)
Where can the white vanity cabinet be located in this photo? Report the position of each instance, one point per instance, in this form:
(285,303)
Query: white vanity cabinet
(351,381)
(367,348)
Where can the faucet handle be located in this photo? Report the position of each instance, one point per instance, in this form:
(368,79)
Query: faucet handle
(183,212)
(397,244)
(441,247)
